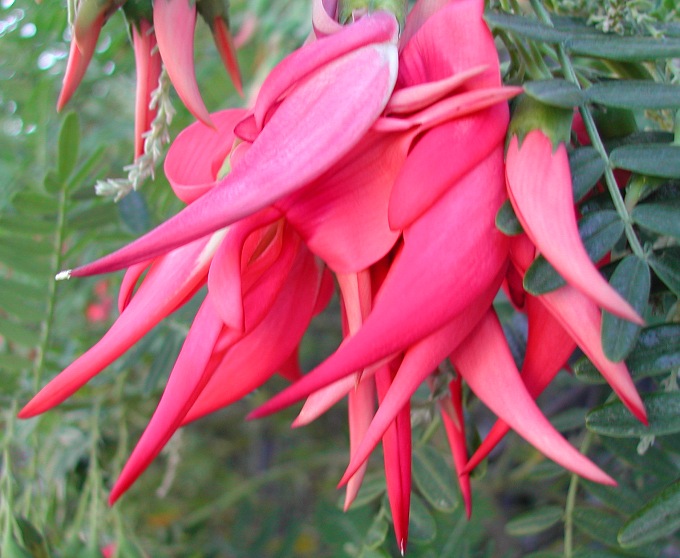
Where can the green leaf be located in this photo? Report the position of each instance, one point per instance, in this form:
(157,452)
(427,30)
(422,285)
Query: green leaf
(525,27)
(634,94)
(19,225)
(657,519)
(28,203)
(507,221)
(653,159)
(69,143)
(534,522)
(134,212)
(555,92)
(377,533)
(654,461)
(422,527)
(35,543)
(598,524)
(599,230)
(613,419)
(666,265)
(632,280)
(587,167)
(656,352)
(371,489)
(433,477)
(627,49)
(17,333)
(619,498)
(94,216)
(662,218)
(23,261)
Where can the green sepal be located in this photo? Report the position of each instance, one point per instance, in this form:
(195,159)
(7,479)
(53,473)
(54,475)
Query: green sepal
(530,114)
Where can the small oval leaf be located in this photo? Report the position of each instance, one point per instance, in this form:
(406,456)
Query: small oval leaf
(657,519)
(534,522)
(628,48)
(507,221)
(555,92)
(377,533)
(613,419)
(653,159)
(587,167)
(434,479)
(666,265)
(599,230)
(632,280)
(422,527)
(69,143)
(662,218)
(634,94)
(526,27)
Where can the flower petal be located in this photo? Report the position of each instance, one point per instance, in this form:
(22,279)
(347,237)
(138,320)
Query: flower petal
(79,58)
(345,96)
(170,280)
(487,366)
(193,368)
(539,186)
(440,282)
(174,22)
(148,65)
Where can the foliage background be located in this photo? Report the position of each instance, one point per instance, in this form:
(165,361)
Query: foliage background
(225,487)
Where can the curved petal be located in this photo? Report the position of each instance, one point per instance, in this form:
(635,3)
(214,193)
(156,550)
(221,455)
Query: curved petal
(225,46)
(174,22)
(397,456)
(194,366)
(148,70)
(319,122)
(375,29)
(79,58)
(452,416)
(342,215)
(429,284)
(197,154)
(454,40)
(419,362)
(421,183)
(487,366)
(548,348)
(539,187)
(167,284)
(258,355)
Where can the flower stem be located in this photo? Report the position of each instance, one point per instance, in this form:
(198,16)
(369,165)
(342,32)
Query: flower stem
(571,502)
(591,128)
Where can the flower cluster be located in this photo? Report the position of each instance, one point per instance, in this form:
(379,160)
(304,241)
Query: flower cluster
(373,158)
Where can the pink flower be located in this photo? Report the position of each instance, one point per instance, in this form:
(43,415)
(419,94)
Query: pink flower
(162,33)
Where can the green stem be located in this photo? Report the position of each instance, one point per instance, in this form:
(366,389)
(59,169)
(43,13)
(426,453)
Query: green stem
(571,502)
(591,128)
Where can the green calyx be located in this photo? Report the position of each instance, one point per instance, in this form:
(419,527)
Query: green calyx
(211,10)
(530,114)
(347,9)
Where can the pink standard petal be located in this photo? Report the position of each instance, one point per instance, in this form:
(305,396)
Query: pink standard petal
(193,368)
(485,363)
(174,23)
(168,283)
(319,122)
(440,282)
(378,28)
(454,39)
(539,186)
